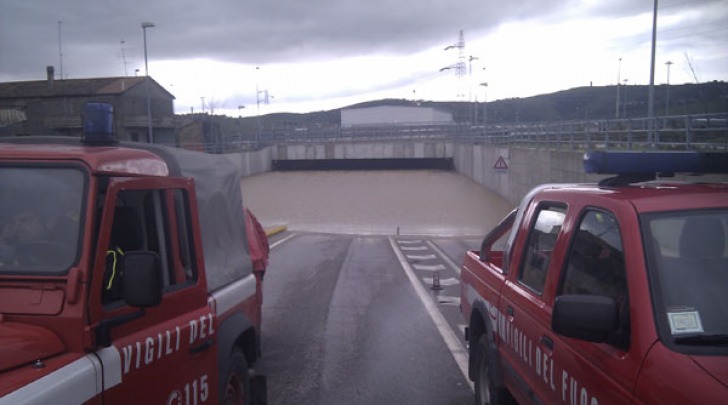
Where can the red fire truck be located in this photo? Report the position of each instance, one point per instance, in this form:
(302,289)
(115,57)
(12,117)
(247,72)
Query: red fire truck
(129,273)
(608,293)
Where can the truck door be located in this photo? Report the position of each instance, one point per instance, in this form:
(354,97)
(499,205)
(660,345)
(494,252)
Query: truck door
(595,265)
(527,354)
(166,353)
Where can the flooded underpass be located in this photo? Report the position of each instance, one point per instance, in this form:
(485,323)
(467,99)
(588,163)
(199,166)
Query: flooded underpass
(422,202)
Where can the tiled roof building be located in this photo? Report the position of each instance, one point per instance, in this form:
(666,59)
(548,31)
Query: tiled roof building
(55,107)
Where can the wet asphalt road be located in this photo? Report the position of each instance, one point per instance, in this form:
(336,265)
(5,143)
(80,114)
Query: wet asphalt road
(349,313)
(343,325)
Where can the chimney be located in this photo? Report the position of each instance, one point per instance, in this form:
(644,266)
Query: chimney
(49,73)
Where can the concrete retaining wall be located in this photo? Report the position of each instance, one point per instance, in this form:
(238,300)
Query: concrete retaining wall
(252,163)
(527,168)
(510,172)
(364,150)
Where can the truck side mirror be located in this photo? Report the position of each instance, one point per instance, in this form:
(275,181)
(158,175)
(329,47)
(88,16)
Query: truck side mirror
(142,281)
(586,317)
(142,288)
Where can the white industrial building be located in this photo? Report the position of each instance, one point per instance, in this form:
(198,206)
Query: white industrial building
(394,115)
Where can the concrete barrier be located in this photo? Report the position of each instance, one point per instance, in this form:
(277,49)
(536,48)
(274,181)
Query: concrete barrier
(364,150)
(512,172)
(252,163)
(508,171)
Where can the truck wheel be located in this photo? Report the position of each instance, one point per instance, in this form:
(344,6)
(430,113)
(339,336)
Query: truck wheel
(236,385)
(486,392)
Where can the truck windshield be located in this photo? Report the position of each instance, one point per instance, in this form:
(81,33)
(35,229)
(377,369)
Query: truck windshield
(688,260)
(40,212)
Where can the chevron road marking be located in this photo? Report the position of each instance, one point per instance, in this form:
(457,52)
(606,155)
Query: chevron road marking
(452,341)
(421,257)
(429,267)
(443,282)
(409,241)
(409,248)
(444,257)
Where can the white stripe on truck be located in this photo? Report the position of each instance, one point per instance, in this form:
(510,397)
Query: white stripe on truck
(81,380)
(233,294)
(74,383)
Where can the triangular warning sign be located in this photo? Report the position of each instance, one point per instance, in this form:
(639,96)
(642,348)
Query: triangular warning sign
(500,164)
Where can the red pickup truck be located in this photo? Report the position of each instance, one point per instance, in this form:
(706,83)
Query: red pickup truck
(605,293)
(129,273)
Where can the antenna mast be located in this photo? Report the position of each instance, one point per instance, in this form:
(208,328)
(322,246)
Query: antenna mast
(123,56)
(459,66)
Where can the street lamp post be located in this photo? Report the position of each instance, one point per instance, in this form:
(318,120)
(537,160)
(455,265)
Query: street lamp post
(240,126)
(150,135)
(474,117)
(651,95)
(624,105)
(619,74)
(257,116)
(485,103)
(448,68)
(667,96)
(266,100)
(257,108)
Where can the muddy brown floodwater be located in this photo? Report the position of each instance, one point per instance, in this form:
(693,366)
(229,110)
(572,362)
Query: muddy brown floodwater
(374,202)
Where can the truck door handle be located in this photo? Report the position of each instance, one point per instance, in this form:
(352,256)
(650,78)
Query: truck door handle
(548,342)
(202,347)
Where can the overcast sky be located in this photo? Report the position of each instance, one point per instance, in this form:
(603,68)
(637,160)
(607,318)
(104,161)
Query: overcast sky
(315,55)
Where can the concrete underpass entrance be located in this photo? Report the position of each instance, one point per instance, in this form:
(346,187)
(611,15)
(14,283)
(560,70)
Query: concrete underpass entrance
(382,202)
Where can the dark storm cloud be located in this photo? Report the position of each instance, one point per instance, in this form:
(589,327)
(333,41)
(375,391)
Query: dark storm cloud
(621,8)
(287,32)
(254,32)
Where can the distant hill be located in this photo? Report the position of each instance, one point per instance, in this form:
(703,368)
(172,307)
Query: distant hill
(593,102)
(587,103)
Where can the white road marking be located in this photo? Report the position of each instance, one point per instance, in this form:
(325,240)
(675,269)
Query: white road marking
(445,300)
(443,282)
(409,241)
(444,257)
(421,257)
(281,241)
(413,247)
(429,267)
(459,353)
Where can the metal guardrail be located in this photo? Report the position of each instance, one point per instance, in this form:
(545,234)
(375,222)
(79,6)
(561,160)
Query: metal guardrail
(688,132)
(684,132)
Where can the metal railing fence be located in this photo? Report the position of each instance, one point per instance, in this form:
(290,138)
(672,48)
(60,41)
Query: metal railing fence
(708,132)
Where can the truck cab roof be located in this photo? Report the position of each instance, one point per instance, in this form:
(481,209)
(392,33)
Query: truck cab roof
(216,179)
(645,197)
(115,159)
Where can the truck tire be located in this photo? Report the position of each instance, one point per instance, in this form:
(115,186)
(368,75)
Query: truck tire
(486,390)
(236,383)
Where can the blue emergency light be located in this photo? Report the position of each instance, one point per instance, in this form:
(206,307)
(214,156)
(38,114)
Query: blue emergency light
(98,124)
(652,162)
